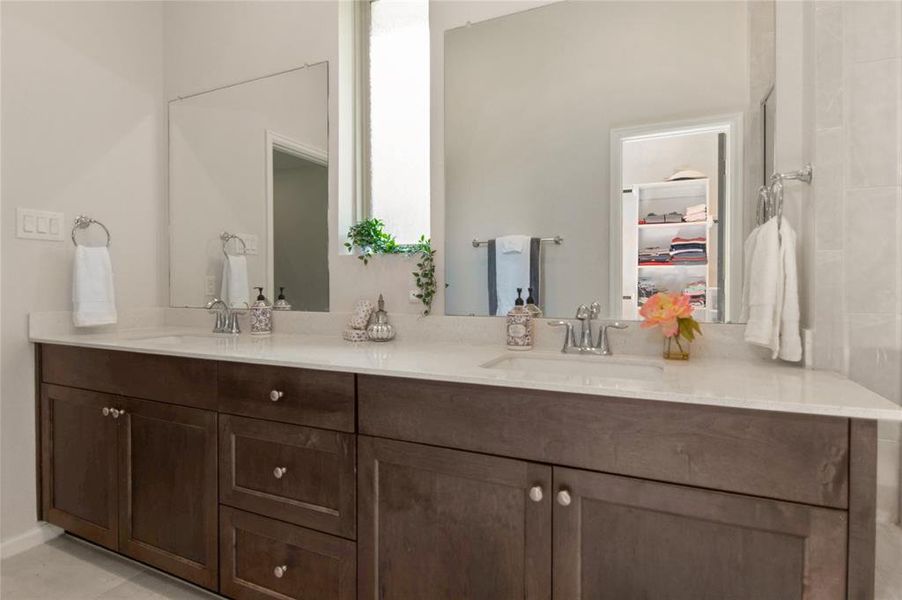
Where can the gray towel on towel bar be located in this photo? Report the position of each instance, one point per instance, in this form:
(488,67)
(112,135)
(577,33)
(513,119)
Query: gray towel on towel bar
(535,249)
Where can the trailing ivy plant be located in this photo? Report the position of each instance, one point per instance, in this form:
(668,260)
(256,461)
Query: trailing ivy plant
(425,273)
(370,237)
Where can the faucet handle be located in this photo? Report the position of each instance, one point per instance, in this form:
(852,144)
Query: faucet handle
(594,310)
(617,325)
(582,312)
(568,333)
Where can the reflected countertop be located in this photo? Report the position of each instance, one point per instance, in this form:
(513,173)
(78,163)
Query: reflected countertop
(757,385)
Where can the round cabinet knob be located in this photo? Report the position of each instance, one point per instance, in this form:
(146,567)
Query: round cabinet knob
(563,498)
(535,493)
(279,571)
(276,395)
(279,472)
(106,411)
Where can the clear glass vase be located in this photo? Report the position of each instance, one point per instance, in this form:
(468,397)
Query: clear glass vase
(676,348)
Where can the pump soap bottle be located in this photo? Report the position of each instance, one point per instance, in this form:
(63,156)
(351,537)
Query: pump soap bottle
(519,325)
(261,315)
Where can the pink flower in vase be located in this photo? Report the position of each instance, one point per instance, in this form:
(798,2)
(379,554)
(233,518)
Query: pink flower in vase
(672,312)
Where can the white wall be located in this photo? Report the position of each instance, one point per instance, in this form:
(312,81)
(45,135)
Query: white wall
(532,99)
(83,132)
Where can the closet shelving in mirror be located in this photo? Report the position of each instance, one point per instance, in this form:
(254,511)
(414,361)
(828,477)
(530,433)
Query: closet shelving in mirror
(675,256)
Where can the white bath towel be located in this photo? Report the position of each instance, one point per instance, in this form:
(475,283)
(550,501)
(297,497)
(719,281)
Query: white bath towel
(790,335)
(772,292)
(93,295)
(511,269)
(234,291)
(765,283)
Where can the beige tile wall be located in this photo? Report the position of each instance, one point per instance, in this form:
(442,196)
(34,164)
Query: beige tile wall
(857,207)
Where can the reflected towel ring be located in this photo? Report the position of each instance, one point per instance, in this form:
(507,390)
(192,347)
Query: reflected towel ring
(83,222)
(226,237)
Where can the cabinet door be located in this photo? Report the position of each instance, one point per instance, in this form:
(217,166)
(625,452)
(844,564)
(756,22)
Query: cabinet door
(78,463)
(168,504)
(445,524)
(619,538)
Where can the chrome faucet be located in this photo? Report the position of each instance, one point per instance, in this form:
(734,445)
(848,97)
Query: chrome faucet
(226,318)
(585,315)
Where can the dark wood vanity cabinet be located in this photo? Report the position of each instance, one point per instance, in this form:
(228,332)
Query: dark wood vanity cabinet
(272,482)
(617,538)
(79,463)
(134,476)
(443,524)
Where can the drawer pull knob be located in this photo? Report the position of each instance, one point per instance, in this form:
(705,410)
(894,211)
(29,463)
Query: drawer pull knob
(279,572)
(563,498)
(279,472)
(535,493)
(117,412)
(106,411)
(276,395)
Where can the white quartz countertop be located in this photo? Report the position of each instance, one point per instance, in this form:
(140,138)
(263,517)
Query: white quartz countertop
(749,384)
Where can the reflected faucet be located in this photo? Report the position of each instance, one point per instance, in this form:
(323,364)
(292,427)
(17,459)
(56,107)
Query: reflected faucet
(585,315)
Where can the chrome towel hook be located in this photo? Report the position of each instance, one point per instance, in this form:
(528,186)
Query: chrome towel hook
(83,222)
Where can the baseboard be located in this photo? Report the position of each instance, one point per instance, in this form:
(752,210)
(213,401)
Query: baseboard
(37,535)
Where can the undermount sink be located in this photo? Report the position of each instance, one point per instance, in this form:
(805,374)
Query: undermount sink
(579,366)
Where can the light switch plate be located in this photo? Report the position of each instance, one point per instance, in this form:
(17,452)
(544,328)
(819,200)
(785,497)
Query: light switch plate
(44,225)
(250,242)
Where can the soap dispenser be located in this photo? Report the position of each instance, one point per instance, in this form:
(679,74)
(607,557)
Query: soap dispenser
(519,325)
(281,303)
(261,315)
(534,311)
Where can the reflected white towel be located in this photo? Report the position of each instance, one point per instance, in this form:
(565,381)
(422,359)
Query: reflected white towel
(234,291)
(511,269)
(93,295)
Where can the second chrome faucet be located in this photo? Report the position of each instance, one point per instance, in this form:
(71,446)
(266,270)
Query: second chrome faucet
(584,344)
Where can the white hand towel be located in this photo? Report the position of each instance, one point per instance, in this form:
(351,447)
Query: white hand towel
(765,283)
(93,295)
(748,252)
(234,291)
(511,269)
(790,336)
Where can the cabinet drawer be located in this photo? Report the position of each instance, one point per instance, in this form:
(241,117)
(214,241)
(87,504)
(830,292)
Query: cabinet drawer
(297,474)
(262,558)
(302,396)
(802,458)
(186,381)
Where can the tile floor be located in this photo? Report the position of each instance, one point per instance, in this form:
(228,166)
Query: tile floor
(67,569)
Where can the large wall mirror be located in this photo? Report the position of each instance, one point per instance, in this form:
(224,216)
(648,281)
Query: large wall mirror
(604,151)
(248,196)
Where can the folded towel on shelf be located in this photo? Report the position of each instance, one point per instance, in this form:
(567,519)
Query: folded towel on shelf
(235,291)
(652,218)
(696,218)
(93,294)
(514,262)
(673,217)
(696,209)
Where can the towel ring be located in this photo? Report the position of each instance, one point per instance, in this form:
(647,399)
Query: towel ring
(226,237)
(83,222)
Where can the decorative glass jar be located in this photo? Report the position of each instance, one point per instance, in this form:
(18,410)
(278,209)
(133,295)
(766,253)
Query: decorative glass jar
(676,348)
